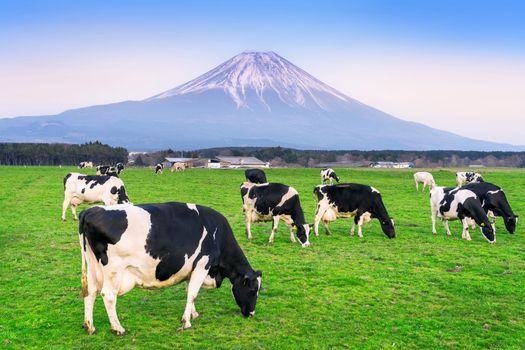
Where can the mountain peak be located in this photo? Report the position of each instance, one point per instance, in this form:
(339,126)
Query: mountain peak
(255,73)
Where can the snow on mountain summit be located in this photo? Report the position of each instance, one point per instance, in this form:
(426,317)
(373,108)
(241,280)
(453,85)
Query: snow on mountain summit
(260,73)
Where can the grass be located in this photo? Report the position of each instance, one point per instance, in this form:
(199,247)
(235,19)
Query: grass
(418,291)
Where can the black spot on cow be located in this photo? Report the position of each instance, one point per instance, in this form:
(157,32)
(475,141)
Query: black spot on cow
(96,179)
(268,196)
(175,232)
(83,190)
(100,228)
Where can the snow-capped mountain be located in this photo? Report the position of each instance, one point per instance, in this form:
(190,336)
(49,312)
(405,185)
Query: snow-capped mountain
(260,72)
(253,99)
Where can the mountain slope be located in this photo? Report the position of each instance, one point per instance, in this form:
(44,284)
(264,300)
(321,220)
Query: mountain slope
(253,99)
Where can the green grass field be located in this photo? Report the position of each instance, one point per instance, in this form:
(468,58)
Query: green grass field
(342,292)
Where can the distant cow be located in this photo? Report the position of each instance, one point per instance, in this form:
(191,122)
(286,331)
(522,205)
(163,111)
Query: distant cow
(328,174)
(85,165)
(494,202)
(467,177)
(272,202)
(102,169)
(458,203)
(159,168)
(119,167)
(425,178)
(80,188)
(256,176)
(361,202)
(178,166)
(159,245)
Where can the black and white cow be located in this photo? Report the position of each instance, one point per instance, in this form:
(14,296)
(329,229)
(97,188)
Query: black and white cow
(457,203)
(272,202)
(80,188)
(119,167)
(425,178)
(159,168)
(85,165)
(463,177)
(328,174)
(159,245)
(495,203)
(256,176)
(102,169)
(361,202)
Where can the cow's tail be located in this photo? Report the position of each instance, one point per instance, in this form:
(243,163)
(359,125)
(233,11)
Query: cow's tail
(82,238)
(316,194)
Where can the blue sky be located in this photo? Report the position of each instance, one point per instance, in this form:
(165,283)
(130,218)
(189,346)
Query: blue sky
(455,65)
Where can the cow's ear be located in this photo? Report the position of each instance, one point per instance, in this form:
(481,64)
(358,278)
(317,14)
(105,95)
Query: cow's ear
(482,224)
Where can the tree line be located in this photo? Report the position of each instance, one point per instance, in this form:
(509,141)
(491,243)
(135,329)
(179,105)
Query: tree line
(60,154)
(280,156)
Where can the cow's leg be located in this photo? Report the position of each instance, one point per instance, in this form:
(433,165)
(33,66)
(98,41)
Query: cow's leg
(109,294)
(275,224)
(89,291)
(74,211)
(289,223)
(196,280)
(326,229)
(492,217)
(352,230)
(445,223)
(248,223)
(89,302)
(360,226)
(417,185)
(434,217)
(465,234)
(317,220)
(65,204)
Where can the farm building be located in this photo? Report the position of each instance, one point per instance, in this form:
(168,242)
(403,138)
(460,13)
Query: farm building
(237,162)
(396,165)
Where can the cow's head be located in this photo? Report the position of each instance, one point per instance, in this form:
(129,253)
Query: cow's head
(387,226)
(245,290)
(488,232)
(303,233)
(510,223)
(122,196)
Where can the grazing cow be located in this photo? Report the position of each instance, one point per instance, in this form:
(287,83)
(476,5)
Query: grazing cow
(458,203)
(85,165)
(119,167)
(272,202)
(494,202)
(159,245)
(361,202)
(80,188)
(256,176)
(178,167)
(467,177)
(102,169)
(328,174)
(159,168)
(425,178)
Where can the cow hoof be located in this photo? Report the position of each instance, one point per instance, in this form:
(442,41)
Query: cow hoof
(89,330)
(75,219)
(119,333)
(183,328)
(194,315)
